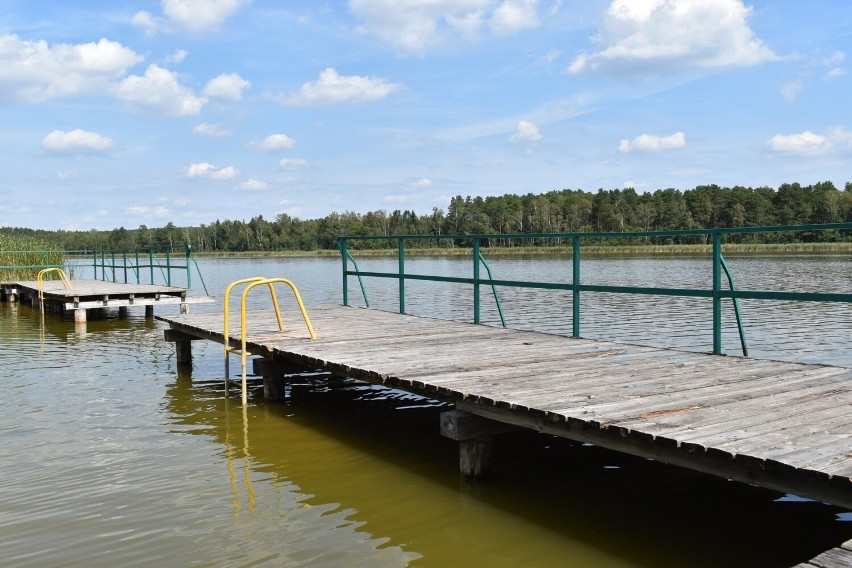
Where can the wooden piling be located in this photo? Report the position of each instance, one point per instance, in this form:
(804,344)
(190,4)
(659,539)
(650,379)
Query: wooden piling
(476,440)
(275,380)
(183,345)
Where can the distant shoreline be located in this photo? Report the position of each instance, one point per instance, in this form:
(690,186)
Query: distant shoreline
(614,250)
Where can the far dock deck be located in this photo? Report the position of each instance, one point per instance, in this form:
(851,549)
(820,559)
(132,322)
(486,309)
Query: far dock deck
(778,425)
(94,294)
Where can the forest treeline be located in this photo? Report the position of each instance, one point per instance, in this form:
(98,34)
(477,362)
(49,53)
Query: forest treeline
(618,210)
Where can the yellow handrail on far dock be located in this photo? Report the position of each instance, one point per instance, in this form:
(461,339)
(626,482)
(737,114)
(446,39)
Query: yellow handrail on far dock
(40,281)
(253,282)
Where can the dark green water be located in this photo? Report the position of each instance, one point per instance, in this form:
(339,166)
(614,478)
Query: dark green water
(110,457)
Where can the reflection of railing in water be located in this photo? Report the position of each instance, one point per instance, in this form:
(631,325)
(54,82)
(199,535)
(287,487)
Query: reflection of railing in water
(716,292)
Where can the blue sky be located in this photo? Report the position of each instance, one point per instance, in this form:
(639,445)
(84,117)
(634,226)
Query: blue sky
(187,111)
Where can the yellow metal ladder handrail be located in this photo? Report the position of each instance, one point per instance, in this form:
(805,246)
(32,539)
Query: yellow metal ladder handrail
(228,348)
(40,282)
(252,283)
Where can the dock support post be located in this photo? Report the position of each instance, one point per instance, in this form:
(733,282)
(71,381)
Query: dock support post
(475,435)
(80,315)
(275,381)
(475,457)
(183,352)
(184,309)
(149,311)
(122,312)
(183,345)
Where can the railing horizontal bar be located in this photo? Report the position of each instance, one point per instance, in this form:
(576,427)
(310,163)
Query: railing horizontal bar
(792,296)
(684,292)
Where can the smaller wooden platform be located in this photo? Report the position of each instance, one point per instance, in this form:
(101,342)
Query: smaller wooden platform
(92,294)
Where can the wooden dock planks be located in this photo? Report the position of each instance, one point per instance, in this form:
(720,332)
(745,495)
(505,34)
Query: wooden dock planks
(780,425)
(86,294)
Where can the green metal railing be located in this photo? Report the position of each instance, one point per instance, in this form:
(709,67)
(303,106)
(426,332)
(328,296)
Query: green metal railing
(127,266)
(716,292)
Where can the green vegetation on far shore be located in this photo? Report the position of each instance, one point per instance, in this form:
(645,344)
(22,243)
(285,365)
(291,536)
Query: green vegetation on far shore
(524,251)
(615,212)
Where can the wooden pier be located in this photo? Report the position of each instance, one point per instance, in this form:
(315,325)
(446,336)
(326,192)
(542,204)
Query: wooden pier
(98,294)
(782,426)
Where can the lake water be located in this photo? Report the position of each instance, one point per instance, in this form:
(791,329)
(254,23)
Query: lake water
(110,457)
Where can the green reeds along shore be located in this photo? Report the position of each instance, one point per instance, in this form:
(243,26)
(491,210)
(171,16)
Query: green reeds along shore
(22,257)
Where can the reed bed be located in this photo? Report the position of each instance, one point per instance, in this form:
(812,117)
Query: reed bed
(21,257)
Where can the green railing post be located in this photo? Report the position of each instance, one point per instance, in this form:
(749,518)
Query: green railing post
(575,286)
(401,252)
(137,266)
(124,256)
(717,289)
(476,314)
(95,264)
(168,266)
(341,245)
(151,263)
(188,255)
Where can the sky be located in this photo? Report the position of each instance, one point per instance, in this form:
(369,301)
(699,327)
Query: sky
(146,112)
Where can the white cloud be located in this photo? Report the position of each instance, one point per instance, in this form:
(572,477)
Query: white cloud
(194,16)
(415,27)
(147,22)
(67,174)
(226,87)
(806,143)
(841,136)
(206,130)
(809,143)
(526,132)
(406,198)
(253,185)
(671,35)
(143,211)
(651,143)
(834,59)
(159,92)
(275,142)
(332,88)
(177,57)
(421,183)
(33,71)
(293,164)
(790,91)
(836,72)
(208,170)
(513,16)
(76,142)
